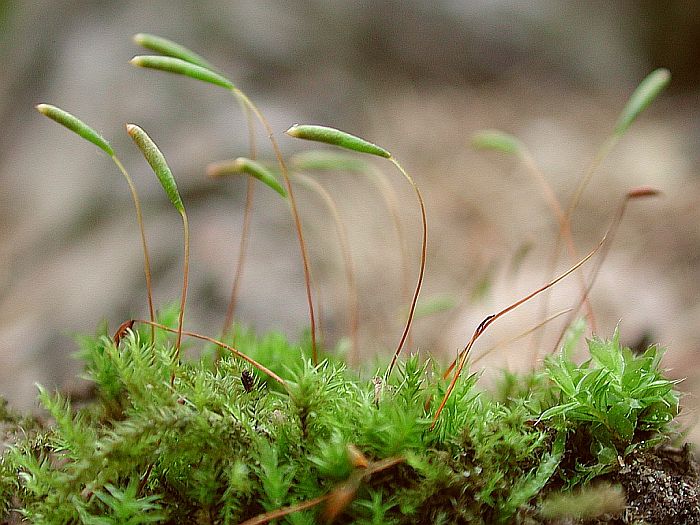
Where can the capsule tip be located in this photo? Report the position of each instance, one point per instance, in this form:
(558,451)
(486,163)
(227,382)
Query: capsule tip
(643,191)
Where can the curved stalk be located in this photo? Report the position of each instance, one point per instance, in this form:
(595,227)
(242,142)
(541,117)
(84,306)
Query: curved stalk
(391,202)
(421,273)
(600,156)
(295,214)
(322,160)
(511,340)
(645,93)
(231,349)
(635,193)
(185,277)
(353,302)
(505,143)
(177,65)
(564,222)
(245,229)
(349,141)
(242,251)
(146,258)
(160,167)
(490,319)
(84,131)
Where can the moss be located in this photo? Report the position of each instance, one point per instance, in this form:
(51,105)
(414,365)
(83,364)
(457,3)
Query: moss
(225,443)
(275,430)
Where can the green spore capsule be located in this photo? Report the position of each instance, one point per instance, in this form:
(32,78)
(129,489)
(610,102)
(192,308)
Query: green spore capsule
(181,67)
(76,125)
(646,92)
(492,139)
(171,49)
(157,162)
(257,170)
(324,160)
(337,138)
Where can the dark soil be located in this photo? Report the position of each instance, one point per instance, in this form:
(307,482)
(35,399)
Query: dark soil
(662,488)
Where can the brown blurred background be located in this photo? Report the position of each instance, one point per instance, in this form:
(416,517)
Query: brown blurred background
(417,77)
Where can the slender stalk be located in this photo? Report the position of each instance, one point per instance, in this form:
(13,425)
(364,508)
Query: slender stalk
(645,93)
(600,156)
(549,196)
(353,302)
(320,328)
(505,143)
(160,167)
(491,318)
(564,232)
(231,349)
(527,332)
(421,273)
(242,251)
(610,235)
(295,214)
(323,160)
(146,258)
(175,64)
(79,127)
(245,230)
(267,517)
(391,202)
(565,224)
(349,141)
(185,277)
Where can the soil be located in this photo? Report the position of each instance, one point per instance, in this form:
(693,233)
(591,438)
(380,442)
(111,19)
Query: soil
(662,488)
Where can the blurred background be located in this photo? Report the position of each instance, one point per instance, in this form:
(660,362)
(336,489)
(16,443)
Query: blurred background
(418,78)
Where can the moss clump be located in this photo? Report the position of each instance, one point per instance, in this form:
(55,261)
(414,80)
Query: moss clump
(269,431)
(225,444)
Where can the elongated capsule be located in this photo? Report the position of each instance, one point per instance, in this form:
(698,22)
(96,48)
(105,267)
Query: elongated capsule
(157,162)
(181,67)
(646,92)
(493,139)
(76,125)
(171,49)
(337,138)
(642,191)
(257,170)
(326,160)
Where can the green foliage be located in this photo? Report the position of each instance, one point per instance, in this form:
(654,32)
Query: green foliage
(123,507)
(216,447)
(620,400)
